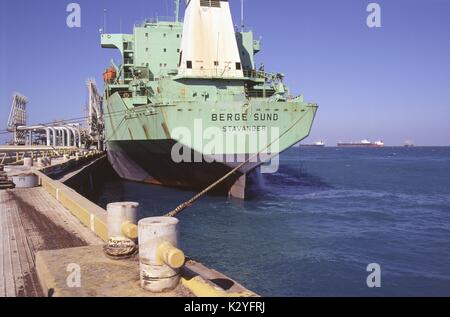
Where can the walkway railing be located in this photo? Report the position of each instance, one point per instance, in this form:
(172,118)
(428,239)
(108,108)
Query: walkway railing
(16,154)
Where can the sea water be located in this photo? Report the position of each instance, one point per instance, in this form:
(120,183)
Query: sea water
(314,227)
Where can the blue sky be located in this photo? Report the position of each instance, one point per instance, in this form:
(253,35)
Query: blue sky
(390,83)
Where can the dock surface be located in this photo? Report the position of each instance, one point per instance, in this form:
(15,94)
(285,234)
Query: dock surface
(44,230)
(32,221)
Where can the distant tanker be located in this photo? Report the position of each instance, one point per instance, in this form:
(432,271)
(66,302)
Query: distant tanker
(316,144)
(363,143)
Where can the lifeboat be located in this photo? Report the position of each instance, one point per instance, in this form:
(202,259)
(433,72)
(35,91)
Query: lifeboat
(109,75)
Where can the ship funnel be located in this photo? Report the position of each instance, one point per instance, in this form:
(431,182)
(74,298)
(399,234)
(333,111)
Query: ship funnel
(209,47)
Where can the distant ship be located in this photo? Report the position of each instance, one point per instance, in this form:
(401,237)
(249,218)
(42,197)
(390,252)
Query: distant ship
(409,144)
(316,144)
(363,143)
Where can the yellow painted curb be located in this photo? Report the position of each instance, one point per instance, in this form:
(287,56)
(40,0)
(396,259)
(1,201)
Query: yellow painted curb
(201,288)
(91,215)
(95,218)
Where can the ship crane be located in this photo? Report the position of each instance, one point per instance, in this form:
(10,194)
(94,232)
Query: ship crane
(95,117)
(17,118)
(50,134)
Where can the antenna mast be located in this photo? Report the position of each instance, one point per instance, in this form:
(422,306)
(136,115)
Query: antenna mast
(177,10)
(104,20)
(242,15)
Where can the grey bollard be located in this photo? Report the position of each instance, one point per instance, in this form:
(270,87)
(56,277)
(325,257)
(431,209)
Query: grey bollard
(122,230)
(160,260)
(28,162)
(26,181)
(40,163)
(119,215)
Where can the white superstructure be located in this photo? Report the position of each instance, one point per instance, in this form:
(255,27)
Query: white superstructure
(208,46)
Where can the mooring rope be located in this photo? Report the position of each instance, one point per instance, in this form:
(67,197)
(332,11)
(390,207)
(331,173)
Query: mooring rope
(189,203)
(120,248)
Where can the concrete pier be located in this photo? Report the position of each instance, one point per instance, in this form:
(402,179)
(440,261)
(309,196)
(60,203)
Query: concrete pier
(31,221)
(47,231)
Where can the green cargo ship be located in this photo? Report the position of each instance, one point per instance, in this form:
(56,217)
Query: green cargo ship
(188,104)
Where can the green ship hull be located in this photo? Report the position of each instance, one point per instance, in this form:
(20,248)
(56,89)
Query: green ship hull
(189,127)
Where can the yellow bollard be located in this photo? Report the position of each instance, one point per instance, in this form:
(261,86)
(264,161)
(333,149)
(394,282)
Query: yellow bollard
(168,254)
(129,230)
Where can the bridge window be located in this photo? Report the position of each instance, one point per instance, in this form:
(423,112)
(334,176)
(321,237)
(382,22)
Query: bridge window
(189,64)
(210,3)
(238,66)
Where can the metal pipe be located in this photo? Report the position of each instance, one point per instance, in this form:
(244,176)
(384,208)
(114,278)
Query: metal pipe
(47,130)
(74,134)
(54,135)
(35,127)
(38,128)
(76,128)
(79,137)
(69,138)
(61,130)
(74,131)
(58,136)
(62,140)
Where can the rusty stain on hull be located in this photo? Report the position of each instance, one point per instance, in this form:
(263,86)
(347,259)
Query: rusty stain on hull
(147,135)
